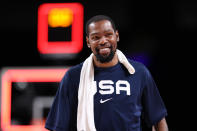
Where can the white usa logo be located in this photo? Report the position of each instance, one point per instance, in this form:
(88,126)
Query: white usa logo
(107,87)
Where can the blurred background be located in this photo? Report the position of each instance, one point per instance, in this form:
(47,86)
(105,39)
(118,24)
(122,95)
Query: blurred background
(161,35)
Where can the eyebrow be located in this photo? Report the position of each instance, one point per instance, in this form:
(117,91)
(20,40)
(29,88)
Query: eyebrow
(95,33)
(109,30)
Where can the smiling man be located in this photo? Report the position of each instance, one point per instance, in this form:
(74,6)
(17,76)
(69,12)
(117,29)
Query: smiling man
(107,92)
(102,39)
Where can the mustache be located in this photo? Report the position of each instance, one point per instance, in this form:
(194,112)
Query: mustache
(105,45)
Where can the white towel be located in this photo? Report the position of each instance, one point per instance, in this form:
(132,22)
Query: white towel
(87,90)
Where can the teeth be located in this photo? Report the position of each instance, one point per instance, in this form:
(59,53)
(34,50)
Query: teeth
(104,50)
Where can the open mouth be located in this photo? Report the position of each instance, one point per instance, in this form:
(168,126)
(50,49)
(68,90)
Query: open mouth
(104,51)
(104,54)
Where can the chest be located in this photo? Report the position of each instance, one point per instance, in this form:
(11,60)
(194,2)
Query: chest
(107,87)
(118,86)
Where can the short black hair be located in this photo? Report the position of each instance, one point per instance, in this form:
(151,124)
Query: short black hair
(99,18)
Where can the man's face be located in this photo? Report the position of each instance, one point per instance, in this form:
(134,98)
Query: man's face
(102,40)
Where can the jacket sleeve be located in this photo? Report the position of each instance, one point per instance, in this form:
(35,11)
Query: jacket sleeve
(153,105)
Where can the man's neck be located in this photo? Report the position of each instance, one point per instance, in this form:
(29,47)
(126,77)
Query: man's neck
(113,62)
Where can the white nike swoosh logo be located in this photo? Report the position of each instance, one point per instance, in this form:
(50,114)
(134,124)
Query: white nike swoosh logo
(103,101)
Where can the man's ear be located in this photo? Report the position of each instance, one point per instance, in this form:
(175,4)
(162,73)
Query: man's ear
(87,41)
(117,36)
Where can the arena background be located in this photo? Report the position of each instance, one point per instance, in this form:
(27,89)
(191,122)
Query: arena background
(160,34)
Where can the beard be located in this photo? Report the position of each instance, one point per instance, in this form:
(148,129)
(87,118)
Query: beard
(105,58)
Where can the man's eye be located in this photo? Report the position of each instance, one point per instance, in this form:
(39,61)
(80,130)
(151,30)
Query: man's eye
(109,35)
(95,38)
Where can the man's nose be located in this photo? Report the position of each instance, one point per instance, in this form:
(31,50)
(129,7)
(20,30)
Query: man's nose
(103,40)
